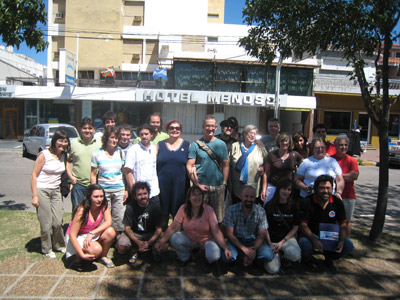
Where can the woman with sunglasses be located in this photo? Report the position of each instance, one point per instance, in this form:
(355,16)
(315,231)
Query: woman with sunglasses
(171,169)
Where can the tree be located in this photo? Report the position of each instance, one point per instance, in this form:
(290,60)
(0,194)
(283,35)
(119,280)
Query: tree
(18,23)
(356,28)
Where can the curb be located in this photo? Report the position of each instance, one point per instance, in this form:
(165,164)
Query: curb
(368,163)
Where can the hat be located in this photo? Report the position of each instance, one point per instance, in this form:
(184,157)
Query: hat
(226,123)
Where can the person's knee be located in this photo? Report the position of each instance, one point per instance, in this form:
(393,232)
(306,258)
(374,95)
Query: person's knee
(265,253)
(109,234)
(176,240)
(213,252)
(273,266)
(95,249)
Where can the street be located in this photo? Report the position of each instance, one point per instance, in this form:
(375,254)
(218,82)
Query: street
(15,193)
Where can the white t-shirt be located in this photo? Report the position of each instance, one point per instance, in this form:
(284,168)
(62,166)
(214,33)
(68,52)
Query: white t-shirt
(50,175)
(311,168)
(143,163)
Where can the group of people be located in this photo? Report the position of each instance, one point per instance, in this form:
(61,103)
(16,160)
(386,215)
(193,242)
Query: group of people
(238,198)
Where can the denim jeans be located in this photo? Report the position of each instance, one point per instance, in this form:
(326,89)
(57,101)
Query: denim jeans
(182,245)
(263,253)
(77,194)
(307,248)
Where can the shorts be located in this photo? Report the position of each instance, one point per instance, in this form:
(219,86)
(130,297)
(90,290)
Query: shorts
(81,238)
(349,205)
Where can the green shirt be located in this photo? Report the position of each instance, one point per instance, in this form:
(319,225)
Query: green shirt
(154,141)
(80,158)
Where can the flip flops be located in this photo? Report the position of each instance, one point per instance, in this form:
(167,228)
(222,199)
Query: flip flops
(107,262)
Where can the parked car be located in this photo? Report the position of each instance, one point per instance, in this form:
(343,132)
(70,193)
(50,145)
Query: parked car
(39,137)
(394,155)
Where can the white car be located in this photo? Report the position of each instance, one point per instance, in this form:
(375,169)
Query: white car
(39,137)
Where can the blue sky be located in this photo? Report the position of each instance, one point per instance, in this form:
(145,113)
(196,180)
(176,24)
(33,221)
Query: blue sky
(233,15)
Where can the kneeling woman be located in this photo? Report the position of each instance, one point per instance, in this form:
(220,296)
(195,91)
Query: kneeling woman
(200,229)
(283,220)
(90,235)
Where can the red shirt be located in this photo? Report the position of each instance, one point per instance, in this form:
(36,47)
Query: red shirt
(330,148)
(348,164)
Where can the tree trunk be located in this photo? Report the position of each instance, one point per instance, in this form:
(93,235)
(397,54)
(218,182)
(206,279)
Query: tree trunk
(381,204)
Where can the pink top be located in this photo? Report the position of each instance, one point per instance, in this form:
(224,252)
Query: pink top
(198,229)
(90,225)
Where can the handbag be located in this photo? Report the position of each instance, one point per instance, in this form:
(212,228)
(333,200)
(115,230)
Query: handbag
(65,187)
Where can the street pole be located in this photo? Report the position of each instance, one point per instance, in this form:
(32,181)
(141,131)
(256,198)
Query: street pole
(277,87)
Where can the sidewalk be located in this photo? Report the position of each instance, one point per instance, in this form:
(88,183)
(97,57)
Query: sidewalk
(369,274)
(370,157)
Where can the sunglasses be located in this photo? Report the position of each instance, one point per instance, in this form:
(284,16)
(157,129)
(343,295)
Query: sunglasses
(177,128)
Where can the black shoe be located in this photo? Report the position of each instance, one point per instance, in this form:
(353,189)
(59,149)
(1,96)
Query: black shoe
(183,264)
(328,262)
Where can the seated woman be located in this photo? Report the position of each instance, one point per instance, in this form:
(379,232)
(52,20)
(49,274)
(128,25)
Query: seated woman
(200,229)
(283,220)
(90,235)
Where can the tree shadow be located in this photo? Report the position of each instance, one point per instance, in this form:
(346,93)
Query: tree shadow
(12,205)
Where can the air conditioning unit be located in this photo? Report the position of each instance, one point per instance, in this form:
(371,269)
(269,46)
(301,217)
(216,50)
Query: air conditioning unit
(59,15)
(137,18)
(165,48)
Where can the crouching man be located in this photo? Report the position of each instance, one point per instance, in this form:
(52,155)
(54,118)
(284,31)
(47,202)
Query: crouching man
(143,224)
(246,229)
(323,224)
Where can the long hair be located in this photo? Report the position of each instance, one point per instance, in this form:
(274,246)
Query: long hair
(59,135)
(188,207)
(285,137)
(107,133)
(272,205)
(86,202)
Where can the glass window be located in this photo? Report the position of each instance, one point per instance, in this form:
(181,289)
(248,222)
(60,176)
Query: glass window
(294,81)
(394,125)
(193,76)
(337,122)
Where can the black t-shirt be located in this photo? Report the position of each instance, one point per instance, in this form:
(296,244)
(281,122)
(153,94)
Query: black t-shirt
(277,228)
(228,143)
(313,214)
(143,220)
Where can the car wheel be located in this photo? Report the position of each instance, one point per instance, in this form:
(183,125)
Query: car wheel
(24,151)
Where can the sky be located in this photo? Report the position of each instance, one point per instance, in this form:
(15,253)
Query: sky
(233,15)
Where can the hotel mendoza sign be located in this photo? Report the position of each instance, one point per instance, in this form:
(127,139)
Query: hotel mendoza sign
(205,97)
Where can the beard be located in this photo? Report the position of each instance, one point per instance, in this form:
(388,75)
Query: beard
(248,204)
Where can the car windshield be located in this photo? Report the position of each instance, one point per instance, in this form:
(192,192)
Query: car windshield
(69,130)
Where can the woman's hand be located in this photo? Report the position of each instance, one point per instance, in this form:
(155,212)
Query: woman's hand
(87,256)
(35,201)
(87,241)
(278,247)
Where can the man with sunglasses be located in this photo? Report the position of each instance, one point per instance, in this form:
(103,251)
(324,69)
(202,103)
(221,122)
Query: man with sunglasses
(227,127)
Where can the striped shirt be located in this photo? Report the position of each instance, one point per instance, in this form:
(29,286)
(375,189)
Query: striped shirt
(109,169)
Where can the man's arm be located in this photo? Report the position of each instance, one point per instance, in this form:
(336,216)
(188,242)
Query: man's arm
(342,236)
(129,178)
(190,168)
(129,232)
(225,169)
(308,234)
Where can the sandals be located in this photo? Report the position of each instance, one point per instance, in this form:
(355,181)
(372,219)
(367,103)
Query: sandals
(133,259)
(107,262)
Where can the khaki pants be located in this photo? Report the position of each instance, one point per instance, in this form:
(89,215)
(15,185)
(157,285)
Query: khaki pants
(215,197)
(50,214)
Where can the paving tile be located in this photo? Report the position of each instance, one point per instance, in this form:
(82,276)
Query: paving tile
(127,270)
(118,288)
(15,265)
(89,269)
(245,287)
(6,281)
(361,284)
(75,287)
(378,266)
(36,286)
(203,288)
(162,269)
(48,267)
(322,285)
(161,288)
(280,286)
(390,283)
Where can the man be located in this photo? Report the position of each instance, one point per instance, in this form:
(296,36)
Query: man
(323,208)
(208,166)
(319,130)
(108,121)
(246,228)
(154,120)
(80,157)
(143,224)
(140,163)
(124,138)
(350,173)
(227,127)
(274,127)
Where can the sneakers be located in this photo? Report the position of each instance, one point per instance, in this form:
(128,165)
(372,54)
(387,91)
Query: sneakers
(50,254)
(62,250)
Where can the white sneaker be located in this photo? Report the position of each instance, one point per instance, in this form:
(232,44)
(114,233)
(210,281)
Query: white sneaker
(51,254)
(62,250)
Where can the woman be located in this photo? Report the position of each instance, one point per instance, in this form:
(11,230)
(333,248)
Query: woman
(200,229)
(315,165)
(350,173)
(171,169)
(90,235)
(281,163)
(46,195)
(246,165)
(283,221)
(300,144)
(107,163)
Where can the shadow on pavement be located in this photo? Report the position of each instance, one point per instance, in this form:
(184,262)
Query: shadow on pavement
(12,205)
